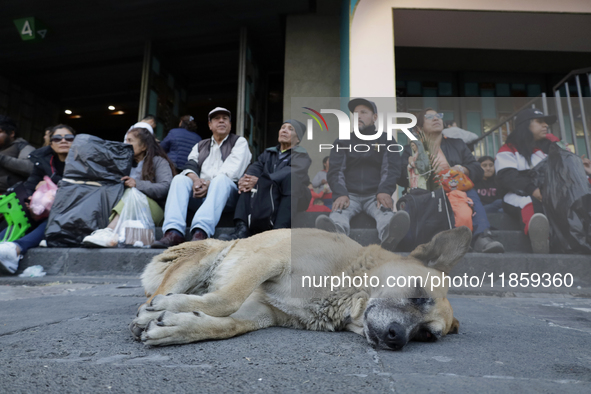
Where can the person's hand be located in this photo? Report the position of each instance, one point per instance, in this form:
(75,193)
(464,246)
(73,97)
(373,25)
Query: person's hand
(459,168)
(340,203)
(323,182)
(39,185)
(411,161)
(537,194)
(200,188)
(129,181)
(386,200)
(246,183)
(587,165)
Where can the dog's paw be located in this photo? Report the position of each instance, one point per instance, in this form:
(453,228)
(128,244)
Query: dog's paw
(144,317)
(169,329)
(170,302)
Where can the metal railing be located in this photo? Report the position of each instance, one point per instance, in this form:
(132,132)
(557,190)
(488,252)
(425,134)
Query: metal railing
(493,137)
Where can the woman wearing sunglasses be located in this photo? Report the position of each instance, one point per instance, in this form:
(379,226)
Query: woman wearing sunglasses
(48,161)
(446,153)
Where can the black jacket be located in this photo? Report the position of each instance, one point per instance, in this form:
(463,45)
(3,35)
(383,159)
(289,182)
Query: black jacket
(456,152)
(46,162)
(296,164)
(363,173)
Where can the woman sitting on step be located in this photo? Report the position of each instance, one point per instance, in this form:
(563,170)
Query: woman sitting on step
(152,174)
(49,161)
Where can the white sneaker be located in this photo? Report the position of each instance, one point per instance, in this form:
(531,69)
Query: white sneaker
(9,257)
(103,238)
(539,233)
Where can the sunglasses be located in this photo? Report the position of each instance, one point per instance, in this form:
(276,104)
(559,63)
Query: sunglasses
(433,116)
(59,137)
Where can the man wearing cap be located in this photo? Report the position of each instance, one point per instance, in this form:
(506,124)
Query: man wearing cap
(365,181)
(275,186)
(525,147)
(213,168)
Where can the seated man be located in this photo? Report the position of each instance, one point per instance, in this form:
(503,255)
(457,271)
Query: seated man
(266,190)
(214,166)
(490,196)
(15,165)
(365,181)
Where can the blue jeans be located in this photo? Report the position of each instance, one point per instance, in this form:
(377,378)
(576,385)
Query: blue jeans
(494,207)
(222,194)
(479,221)
(32,238)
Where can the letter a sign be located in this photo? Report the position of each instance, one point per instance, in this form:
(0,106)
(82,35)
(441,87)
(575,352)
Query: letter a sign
(30,29)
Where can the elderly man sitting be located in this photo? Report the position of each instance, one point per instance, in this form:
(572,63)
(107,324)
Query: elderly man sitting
(279,175)
(215,165)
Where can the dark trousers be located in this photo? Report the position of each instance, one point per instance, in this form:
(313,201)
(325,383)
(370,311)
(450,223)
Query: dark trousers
(289,202)
(31,239)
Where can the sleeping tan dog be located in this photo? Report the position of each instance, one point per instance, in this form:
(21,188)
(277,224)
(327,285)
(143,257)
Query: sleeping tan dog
(216,289)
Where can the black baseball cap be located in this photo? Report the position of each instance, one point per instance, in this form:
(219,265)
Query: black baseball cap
(533,113)
(361,101)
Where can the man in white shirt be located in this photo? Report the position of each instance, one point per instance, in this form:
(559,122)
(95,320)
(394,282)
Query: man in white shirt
(214,167)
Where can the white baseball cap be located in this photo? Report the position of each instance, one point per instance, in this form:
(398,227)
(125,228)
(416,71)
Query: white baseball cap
(219,109)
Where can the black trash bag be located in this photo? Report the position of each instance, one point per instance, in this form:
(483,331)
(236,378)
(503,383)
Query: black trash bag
(94,159)
(566,197)
(430,213)
(84,202)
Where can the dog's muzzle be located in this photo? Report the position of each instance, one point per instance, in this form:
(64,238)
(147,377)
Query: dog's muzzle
(395,337)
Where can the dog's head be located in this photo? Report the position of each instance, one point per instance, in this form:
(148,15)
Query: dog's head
(414,309)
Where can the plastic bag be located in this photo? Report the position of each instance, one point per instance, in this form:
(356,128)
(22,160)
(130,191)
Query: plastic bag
(452,180)
(33,272)
(89,190)
(135,226)
(566,197)
(94,159)
(43,198)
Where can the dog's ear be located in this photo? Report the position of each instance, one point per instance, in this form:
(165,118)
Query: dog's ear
(455,327)
(445,249)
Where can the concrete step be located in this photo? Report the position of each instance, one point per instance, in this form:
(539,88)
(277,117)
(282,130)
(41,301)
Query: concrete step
(513,241)
(131,262)
(498,221)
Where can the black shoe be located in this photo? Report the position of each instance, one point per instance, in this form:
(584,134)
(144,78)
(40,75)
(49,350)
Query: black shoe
(199,235)
(241,231)
(397,229)
(485,244)
(171,238)
(325,223)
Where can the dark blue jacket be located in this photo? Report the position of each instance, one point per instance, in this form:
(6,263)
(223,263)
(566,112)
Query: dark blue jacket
(178,144)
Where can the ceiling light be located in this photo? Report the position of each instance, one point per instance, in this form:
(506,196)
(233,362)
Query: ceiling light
(75,117)
(118,113)
(68,112)
(111,108)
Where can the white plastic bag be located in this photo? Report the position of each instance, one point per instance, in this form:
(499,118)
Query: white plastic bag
(135,226)
(33,272)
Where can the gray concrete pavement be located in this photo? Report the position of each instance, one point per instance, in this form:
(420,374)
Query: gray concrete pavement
(70,335)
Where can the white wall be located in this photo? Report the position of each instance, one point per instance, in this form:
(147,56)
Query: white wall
(371,49)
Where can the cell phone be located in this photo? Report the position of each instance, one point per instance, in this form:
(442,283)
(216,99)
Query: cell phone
(384,209)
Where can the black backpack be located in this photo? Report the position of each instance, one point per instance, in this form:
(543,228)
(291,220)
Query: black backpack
(430,213)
